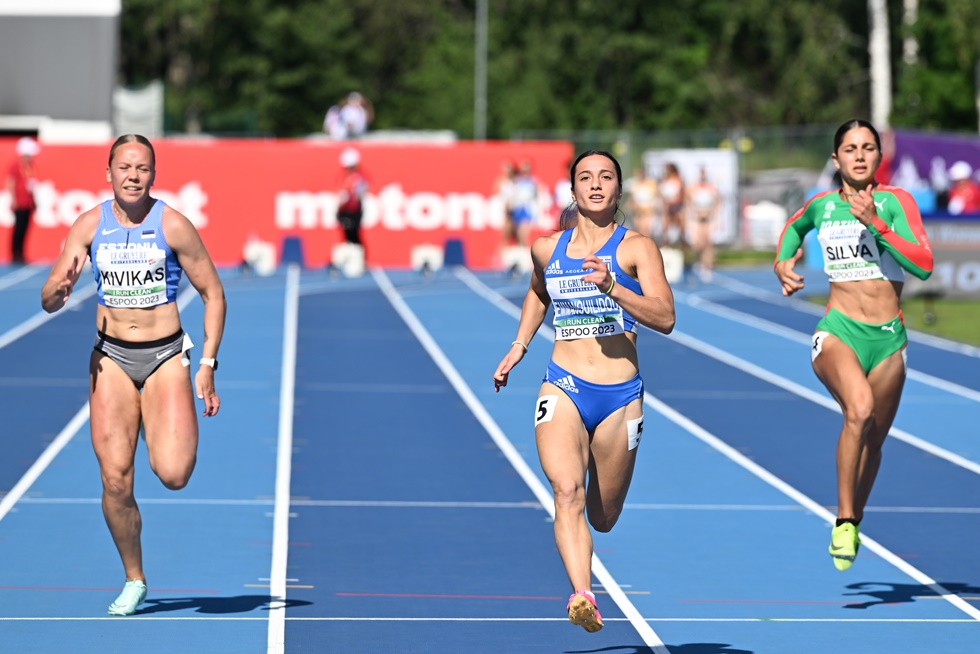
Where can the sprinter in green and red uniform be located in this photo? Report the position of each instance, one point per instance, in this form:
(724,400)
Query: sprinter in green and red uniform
(870,235)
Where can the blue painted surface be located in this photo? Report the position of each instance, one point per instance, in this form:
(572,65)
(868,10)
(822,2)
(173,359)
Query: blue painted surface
(710,554)
(394,430)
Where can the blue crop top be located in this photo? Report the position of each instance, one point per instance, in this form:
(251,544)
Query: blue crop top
(134,267)
(581,309)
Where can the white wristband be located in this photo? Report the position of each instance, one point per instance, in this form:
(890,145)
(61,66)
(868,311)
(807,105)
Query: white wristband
(211,363)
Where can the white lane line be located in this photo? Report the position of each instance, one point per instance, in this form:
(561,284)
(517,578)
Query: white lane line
(771,297)
(650,638)
(42,317)
(276,642)
(19,275)
(64,437)
(158,618)
(43,461)
(824,401)
(828,516)
(804,339)
(383,504)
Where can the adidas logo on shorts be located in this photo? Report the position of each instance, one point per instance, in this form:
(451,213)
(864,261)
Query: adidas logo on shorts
(566,383)
(554,268)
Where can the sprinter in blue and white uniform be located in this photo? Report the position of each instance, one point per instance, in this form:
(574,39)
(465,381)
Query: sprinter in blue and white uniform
(139,365)
(603,280)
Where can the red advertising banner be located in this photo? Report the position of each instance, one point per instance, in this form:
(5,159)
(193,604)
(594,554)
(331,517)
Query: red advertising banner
(238,189)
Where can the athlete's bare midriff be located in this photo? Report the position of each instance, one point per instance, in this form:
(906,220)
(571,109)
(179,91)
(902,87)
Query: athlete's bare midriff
(139,325)
(872,301)
(606,360)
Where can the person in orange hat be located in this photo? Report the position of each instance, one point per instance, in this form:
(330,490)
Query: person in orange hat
(21,182)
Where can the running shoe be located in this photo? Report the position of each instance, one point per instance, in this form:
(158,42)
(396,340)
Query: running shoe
(844,543)
(130,599)
(583,611)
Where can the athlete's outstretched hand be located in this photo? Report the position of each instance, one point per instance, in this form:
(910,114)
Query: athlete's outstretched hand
(204,383)
(66,284)
(790,280)
(511,359)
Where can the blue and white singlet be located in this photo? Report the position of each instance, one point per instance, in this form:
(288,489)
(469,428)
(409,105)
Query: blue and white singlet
(134,267)
(581,309)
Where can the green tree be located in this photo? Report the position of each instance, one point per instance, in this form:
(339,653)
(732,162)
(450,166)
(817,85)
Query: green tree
(939,90)
(265,67)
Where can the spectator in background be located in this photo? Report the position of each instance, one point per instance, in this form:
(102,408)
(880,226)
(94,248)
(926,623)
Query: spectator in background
(357,114)
(350,200)
(333,124)
(964,191)
(884,173)
(642,192)
(525,206)
(503,190)
(703,199)
(349,118)
(21,181)
(673,195)
(562,195)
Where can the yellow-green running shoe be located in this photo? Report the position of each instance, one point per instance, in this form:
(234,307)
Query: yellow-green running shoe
(844,543)
(130,599)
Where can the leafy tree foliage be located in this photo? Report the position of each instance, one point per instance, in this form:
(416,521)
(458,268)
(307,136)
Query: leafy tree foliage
(273,67)
(940,90)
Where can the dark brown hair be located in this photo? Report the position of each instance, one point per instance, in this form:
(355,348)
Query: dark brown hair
(855,123)
(570,212)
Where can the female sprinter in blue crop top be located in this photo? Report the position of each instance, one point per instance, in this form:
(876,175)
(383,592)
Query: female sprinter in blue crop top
(869,235)
(138,369)
(603,279)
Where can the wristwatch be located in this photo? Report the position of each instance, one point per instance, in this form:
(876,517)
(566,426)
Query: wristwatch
(211,363)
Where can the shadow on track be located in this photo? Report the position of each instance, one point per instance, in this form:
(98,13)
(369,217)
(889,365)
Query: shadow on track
(888,593)
(214,605)
(690,648)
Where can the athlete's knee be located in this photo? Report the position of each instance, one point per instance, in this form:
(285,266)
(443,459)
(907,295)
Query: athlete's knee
(175,477)
(604,521)
(117,485)
(175,482)
(569,494)
(860,416)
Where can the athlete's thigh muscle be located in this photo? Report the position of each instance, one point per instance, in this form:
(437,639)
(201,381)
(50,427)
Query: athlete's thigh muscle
(838,367)
(562,441)
(169,412)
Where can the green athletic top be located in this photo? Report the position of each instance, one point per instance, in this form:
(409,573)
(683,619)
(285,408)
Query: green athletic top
(894,242)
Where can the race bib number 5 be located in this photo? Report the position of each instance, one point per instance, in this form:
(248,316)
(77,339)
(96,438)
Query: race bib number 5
(545,409)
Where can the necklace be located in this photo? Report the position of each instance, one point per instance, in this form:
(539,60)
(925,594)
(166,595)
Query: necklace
(116,212)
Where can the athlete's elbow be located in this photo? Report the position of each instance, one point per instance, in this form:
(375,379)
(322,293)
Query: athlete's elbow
(662,325)
(50,305)
(923,269)
(215,297)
